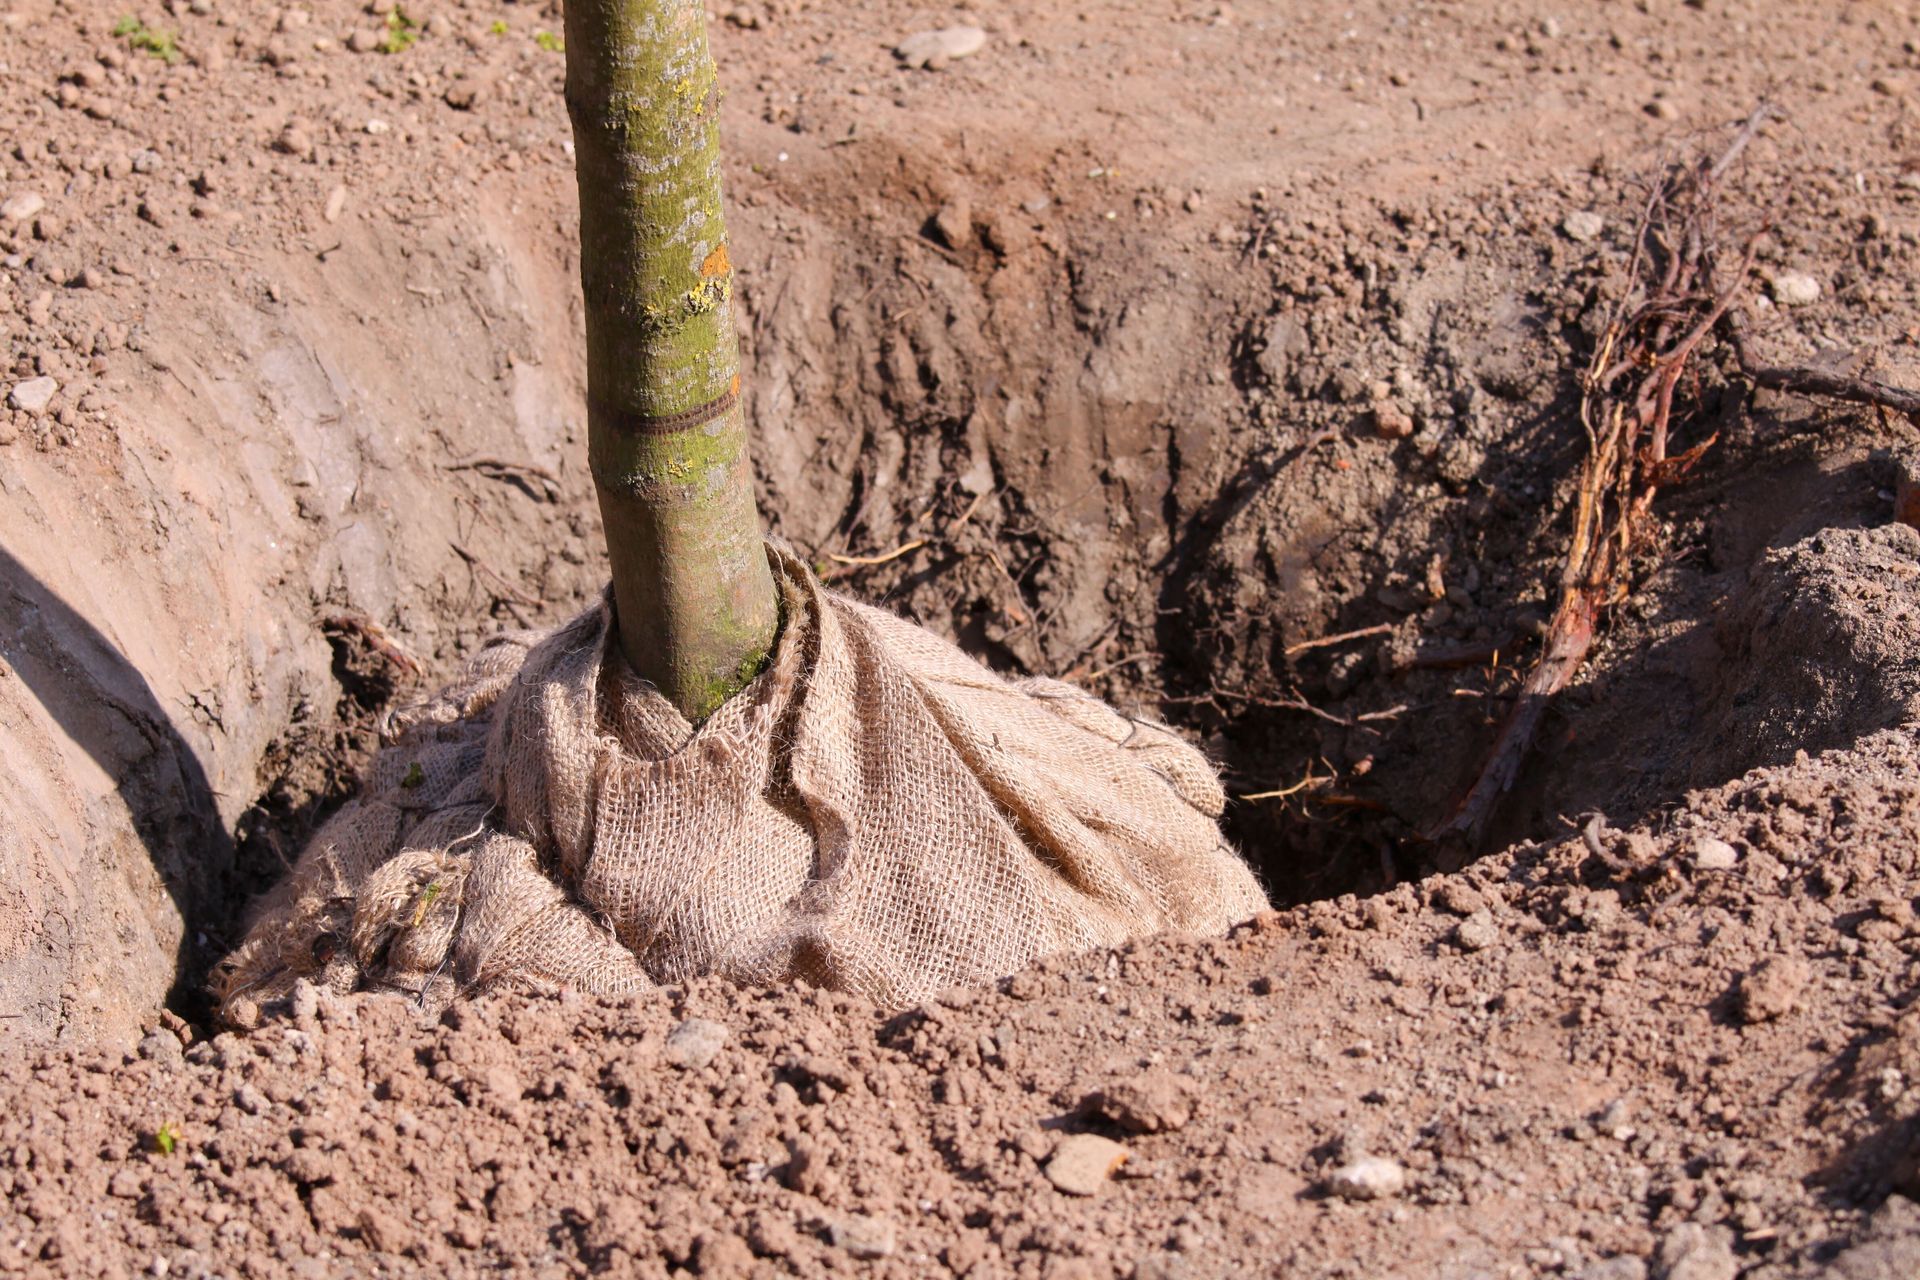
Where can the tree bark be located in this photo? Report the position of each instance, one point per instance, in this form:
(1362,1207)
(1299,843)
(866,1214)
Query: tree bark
(666,439)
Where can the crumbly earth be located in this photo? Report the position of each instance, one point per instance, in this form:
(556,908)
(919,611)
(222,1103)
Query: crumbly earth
(1697,1039)
(1157,343)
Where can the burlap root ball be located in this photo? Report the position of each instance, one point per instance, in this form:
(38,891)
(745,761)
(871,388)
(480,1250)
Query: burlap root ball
(876,813)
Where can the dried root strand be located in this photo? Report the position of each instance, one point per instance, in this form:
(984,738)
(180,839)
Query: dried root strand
(1627,407)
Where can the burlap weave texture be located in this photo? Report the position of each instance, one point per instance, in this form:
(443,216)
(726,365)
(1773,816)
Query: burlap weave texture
(877,813)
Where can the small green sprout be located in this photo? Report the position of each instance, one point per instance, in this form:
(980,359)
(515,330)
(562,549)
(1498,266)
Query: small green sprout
(402,31)
(166,1138)
(161,44)
(427,900)
(414,777)
(499,27)
(550,42)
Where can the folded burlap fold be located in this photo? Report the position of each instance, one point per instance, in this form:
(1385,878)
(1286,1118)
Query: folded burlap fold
(876,813)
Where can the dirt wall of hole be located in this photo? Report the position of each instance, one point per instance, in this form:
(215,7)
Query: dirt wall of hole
(1153,470)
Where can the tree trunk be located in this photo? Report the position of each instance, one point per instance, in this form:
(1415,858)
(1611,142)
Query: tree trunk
(666,439)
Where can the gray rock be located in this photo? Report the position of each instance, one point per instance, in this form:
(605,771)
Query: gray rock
(1583,225)
(1794,289)
(20,207)
(1368,1178)
(935,49)
(1711,854)
(695,1043)
(33,395)
(1624,1267)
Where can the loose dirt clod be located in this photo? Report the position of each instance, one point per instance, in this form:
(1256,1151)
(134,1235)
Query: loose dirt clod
(1771,988)
(1155,1102)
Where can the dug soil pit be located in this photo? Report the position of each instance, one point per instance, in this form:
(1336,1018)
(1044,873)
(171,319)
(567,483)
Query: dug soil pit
(1225,362)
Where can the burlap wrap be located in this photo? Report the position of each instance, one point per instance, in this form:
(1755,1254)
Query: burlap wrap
(877,813)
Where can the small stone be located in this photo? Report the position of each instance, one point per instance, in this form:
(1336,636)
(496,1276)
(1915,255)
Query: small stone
(1770,989)
(295,140)
(33,396)
(1624,1267)
(1695,1252)
(1083,1163)
(935,49)
(1368,1178)
(336,204)
(125,1184)
(1583,225)
(1477,932)
(1391,422)
(465,93)
(1710,854)
(1889,86)
(862,1236)
(1794,289)
(249,1100)
(48,226)
(20,207)
(1662,109)
(695,1043)
(363,41)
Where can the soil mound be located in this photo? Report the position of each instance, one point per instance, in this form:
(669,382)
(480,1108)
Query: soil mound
(1696,1044)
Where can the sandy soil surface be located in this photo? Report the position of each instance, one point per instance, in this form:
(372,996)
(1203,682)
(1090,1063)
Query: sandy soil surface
(1182,336)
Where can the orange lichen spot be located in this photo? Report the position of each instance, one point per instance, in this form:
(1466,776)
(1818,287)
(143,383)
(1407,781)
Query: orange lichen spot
(717,263)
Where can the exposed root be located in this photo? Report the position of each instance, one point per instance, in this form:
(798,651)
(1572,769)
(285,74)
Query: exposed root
(1675,297)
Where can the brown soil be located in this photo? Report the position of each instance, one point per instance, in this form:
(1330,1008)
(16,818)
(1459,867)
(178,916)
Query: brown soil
(1184,337)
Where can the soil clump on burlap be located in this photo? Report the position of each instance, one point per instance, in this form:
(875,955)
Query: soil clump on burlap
(1143,351)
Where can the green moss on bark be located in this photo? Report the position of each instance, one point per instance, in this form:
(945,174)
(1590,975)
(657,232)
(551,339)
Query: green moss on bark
(691,585)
